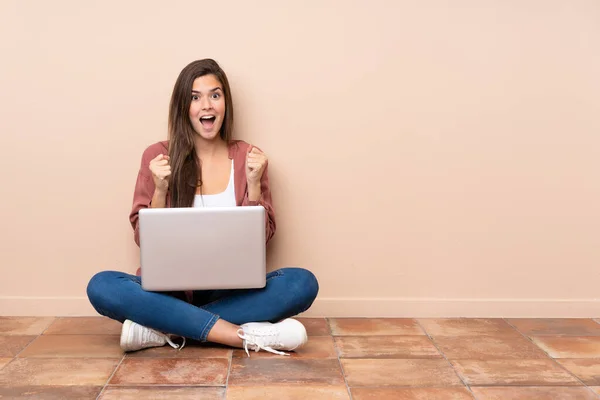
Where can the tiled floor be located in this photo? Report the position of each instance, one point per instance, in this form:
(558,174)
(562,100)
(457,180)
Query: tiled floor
(423,359)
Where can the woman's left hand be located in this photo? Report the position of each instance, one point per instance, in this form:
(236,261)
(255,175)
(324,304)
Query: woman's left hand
(256,162)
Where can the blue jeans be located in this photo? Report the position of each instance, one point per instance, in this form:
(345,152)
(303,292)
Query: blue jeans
(117,295)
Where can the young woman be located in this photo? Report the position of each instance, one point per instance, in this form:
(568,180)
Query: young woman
(202,166)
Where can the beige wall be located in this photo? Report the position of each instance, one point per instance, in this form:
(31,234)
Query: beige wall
(427,158)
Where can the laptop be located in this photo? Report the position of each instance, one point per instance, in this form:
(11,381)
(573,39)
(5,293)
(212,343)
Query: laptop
(197,248)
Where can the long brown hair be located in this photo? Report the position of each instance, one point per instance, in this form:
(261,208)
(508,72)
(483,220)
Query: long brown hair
(186,172)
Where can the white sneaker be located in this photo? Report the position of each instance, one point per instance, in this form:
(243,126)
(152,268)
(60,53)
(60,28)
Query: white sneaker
(136,337)
(288,334)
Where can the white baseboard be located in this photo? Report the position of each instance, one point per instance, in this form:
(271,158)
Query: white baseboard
(355,307)
(445,308)
(26,306)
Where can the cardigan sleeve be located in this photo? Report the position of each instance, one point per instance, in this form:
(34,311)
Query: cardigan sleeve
(266,201)
(143,191)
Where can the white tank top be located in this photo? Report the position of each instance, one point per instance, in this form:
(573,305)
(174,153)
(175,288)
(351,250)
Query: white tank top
(223,199)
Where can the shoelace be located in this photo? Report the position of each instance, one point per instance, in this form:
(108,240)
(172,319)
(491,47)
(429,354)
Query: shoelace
(152,335)
(259,341)
(175,345)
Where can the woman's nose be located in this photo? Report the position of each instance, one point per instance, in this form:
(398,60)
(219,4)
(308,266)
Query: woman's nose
(205,103)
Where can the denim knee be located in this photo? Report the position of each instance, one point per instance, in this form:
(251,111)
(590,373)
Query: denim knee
(99,290)
(303,284)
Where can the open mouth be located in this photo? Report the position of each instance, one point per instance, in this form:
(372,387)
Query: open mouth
(208,121)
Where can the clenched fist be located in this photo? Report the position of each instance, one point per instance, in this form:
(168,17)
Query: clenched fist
(256,162)
(161,170)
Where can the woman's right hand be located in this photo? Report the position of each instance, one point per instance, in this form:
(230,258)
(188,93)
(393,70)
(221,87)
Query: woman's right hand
(161,170)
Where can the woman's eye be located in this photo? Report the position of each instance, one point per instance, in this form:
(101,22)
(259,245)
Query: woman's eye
(194,97)
(216,96)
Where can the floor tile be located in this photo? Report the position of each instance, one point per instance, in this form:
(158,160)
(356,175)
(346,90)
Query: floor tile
(11,345)
(84,326)
(459,393)
(513,372)
(386,347)
(189,351)
(57,371)
(596,389)
(466,326)
(556,326)
(316,326)
(280,370)
(395,372)
(50,392)
(162,393)
(72,346)
(312,392)
(569,347)
(588,370)
(317,347)
(167,371)
(24,325)
(374,326)
(487,347)
(529,393)
(4,361)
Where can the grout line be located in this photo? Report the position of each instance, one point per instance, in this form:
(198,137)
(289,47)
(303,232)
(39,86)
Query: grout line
(337,352)
(33,340)
(594,393)
(111,376)
(25,348)
(11,360)
(549,356)
(328,326)
(54,319)
(445,358)
(228,373)
(513,385)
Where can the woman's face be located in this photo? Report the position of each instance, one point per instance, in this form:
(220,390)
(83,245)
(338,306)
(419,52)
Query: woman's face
(207,109)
